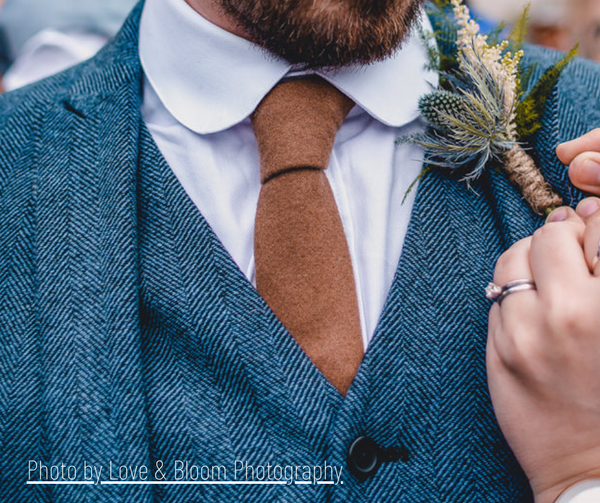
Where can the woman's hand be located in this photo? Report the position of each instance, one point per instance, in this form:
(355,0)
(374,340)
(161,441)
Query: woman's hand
(543,352)
(583,158)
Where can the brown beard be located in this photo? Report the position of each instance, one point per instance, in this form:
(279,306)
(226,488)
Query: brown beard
(325,33)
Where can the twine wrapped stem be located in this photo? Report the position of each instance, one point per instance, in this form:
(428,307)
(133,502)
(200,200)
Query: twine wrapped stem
(523,173)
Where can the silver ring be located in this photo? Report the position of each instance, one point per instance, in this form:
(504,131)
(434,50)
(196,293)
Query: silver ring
(499,293)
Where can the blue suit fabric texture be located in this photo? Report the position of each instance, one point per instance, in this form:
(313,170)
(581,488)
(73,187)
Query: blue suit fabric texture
(129,336)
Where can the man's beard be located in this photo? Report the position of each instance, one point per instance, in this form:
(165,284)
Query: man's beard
(325,33)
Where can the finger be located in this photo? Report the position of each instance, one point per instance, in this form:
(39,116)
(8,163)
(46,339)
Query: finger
(509,319)
(584,172)
(587,207)
(588,210)
(508,336)
(591,243)
(589,142)
(498,345)
(514,265)
(556,256)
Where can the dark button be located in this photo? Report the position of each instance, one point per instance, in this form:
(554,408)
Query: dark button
(364,458)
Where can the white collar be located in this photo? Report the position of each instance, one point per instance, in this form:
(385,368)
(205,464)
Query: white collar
(211,80)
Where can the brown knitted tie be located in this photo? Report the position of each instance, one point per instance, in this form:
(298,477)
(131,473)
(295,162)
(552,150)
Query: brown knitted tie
(303,266)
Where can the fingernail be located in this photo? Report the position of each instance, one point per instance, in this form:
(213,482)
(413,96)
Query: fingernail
(564,144)
(557,215)
(590,172)
(587,207)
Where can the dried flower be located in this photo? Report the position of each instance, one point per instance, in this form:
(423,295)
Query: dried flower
(478,115)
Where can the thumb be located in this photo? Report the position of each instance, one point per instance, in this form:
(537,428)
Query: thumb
(584,172)
(589,142)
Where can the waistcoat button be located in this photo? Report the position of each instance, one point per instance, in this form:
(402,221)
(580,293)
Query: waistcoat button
(364,458)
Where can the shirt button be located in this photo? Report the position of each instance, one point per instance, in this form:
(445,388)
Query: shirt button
(364,458)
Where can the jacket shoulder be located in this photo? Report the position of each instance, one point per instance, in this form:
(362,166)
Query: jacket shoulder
(114,67)
(35,114)
(17,106)
(28,115)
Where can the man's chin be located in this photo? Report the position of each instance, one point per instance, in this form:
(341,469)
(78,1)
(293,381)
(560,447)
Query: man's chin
(321,37)
(337,57)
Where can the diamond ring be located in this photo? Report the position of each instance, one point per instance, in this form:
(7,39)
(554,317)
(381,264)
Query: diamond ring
(499,293)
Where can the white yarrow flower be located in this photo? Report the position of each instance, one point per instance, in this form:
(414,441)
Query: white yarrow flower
(502,66)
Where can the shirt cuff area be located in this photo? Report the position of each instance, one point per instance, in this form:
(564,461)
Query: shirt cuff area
(583,492)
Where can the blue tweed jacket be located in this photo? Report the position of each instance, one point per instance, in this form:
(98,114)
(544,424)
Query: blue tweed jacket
(128,335)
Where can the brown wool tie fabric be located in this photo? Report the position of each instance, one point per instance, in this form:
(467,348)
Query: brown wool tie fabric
(303,266)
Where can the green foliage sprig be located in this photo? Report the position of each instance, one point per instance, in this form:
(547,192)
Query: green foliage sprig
(481,113)
(530,110)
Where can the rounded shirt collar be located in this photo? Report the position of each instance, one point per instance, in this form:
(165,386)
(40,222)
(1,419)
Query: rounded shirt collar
(210,79)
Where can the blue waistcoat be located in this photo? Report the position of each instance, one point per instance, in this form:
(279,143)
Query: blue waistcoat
(128,336)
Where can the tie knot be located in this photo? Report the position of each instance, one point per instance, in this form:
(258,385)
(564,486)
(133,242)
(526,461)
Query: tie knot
(296,123)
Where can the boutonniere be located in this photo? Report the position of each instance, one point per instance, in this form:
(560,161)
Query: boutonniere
(481,113)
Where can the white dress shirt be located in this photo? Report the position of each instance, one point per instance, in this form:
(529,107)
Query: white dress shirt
(49,52)
(201,85)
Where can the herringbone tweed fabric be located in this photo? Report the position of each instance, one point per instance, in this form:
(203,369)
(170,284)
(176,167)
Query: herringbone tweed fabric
(127,333)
